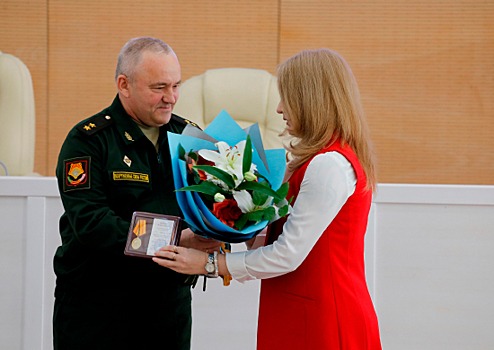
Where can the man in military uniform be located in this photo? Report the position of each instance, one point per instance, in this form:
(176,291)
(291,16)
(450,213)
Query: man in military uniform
(110,165)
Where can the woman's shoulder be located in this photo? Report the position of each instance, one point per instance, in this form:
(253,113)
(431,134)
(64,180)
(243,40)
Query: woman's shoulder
(329,159)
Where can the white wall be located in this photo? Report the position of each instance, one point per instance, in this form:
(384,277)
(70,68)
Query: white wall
(428,252)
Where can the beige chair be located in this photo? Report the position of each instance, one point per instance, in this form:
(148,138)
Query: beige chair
(248,95)
(17,117)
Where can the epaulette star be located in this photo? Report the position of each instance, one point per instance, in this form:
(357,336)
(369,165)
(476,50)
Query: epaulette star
(94,124)
(191,122)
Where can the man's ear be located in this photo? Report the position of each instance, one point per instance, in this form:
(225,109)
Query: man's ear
(123,85)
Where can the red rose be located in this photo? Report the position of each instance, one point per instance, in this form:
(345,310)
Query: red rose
(227,212)
(202,161)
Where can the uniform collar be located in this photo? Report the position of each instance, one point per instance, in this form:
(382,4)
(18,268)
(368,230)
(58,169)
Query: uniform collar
(126,126)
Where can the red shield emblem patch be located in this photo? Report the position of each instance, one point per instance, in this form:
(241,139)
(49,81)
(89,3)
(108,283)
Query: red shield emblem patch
(77,175)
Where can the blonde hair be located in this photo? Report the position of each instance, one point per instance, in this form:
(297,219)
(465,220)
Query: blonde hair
(321,97)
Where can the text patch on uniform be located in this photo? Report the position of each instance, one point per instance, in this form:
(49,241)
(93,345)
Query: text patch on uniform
(76,174)
(130,176)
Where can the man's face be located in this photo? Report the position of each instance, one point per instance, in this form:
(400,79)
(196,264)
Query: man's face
(153,91)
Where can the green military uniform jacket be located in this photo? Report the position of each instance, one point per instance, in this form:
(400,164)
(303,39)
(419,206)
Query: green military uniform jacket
(106,170)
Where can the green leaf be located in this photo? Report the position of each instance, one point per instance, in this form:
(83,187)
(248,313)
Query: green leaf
(283,211)
(193,155)
(181,152)
(268,213)
(262,187)
(247,160)
(282,192)
(196,178)
(240,223)
(259,198)
(204,187)
(218,173)
(256,215)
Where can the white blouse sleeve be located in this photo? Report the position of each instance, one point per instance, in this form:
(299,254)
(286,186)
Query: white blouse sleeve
(327,184)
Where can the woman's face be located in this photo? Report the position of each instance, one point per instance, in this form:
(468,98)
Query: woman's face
(281,110)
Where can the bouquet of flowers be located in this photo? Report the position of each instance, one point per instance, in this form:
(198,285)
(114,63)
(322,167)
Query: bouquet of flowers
(228,187)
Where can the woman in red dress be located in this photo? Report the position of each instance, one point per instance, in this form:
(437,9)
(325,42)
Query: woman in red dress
(313,291)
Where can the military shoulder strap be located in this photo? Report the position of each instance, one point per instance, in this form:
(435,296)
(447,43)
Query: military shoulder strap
(184,121)
(95,124)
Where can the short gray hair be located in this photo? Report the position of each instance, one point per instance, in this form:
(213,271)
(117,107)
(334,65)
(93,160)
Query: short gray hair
(131,52)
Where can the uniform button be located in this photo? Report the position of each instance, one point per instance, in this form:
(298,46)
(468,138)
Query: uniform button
(107,117)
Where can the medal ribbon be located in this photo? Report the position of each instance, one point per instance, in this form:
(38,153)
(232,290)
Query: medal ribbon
(140,228)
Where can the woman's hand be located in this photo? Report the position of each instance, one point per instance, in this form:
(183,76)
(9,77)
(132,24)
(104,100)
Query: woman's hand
(188,261)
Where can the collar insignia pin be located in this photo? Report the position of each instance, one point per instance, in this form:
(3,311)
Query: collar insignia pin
(127,135)
(127,161)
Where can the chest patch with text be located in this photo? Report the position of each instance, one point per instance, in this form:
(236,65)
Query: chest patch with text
(130,176)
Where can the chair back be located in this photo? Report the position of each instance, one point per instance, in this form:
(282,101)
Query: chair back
(248,95)
(17,117)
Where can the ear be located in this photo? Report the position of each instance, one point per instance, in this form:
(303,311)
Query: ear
(123,85)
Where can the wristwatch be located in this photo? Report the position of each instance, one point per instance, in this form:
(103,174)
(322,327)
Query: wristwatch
(210,265)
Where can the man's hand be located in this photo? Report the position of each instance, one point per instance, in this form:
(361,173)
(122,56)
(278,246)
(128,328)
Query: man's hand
(189,239)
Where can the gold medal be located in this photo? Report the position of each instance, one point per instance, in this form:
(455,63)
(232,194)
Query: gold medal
(136,243)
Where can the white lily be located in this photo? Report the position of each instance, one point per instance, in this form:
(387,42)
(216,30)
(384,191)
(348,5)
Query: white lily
(245,203)
(227,158)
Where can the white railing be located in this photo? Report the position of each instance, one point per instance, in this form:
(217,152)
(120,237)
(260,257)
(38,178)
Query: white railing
(429,268)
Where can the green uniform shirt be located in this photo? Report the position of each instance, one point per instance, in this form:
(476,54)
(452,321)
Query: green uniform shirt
(106,170)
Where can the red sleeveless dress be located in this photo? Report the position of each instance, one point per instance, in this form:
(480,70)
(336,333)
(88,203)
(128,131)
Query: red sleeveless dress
(325,303)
